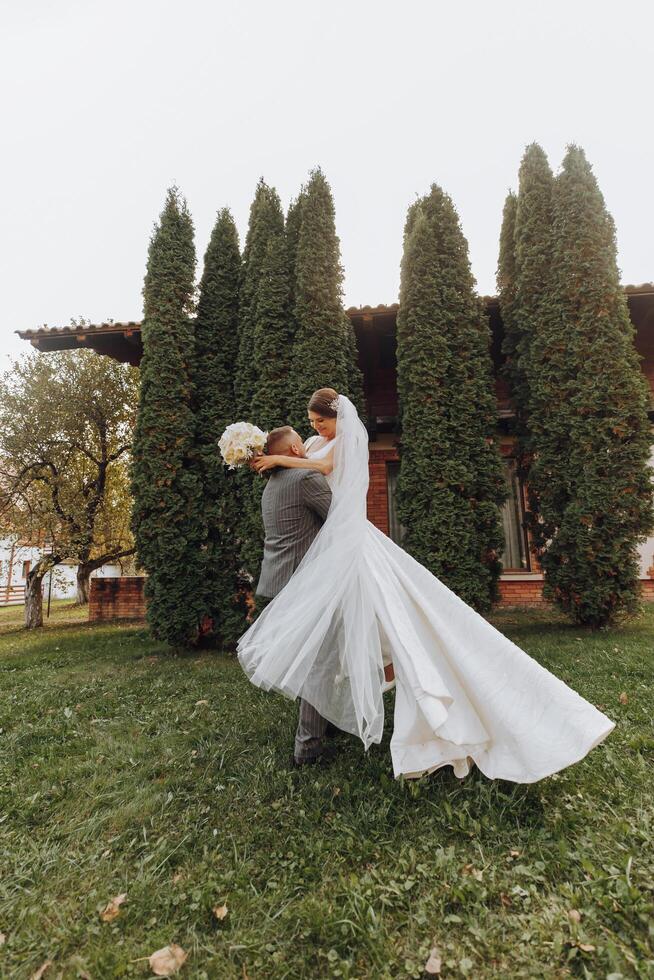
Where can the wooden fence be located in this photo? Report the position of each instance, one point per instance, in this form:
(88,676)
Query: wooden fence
(11,595)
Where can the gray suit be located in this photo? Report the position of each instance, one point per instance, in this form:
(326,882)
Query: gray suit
(294,506)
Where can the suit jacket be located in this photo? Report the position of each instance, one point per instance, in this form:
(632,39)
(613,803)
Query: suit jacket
(294,506)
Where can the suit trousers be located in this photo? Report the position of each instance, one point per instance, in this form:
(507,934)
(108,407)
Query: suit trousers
(311,725)
(310,732)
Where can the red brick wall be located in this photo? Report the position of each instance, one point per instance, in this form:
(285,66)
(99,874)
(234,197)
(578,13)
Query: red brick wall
(122,598)
(523,592)
(513,591)
(530,592)
(119,597)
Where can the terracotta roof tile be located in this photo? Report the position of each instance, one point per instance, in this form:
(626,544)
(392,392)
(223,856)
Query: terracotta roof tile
(631,290)
(382,308)
(82,328)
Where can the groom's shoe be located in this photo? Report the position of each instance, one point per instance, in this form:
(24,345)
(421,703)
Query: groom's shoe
(327,754)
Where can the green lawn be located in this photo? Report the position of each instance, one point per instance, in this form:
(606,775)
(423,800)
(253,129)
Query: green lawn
(124,768)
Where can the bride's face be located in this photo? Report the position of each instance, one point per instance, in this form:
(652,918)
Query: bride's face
(323,426)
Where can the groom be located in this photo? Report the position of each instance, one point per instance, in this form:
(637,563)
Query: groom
(294,506)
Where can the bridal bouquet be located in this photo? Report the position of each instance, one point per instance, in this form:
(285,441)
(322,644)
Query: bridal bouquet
(240,442)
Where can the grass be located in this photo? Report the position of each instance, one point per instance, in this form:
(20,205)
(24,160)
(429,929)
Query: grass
(125,768)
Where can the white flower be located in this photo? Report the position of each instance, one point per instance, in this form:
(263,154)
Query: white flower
(239,443)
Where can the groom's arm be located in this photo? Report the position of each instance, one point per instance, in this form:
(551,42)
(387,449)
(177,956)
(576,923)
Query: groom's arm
(316,493)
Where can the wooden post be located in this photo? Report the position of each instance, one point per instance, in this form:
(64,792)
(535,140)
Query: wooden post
(11,562)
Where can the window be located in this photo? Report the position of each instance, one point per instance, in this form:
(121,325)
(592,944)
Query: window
(26,568)
(515,555)
(395,528)
(516,552)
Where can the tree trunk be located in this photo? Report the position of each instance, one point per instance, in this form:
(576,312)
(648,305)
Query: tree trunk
(34,597)
(87,565)
(84,570)
(34,592)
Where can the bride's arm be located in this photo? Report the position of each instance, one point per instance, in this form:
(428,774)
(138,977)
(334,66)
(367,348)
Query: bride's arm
(323,465)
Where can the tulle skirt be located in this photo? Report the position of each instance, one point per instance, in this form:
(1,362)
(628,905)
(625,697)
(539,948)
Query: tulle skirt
(465,693)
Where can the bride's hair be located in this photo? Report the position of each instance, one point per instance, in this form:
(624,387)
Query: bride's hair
(323,401)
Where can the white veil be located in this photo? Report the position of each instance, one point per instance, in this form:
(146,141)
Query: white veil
(319,638)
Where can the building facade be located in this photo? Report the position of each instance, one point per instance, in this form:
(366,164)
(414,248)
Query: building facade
(375,329)
(18,557)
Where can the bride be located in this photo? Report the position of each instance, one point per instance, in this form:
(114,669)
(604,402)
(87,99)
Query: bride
(358,602)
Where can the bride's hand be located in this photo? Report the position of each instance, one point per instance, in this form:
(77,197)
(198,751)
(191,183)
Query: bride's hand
(263,463)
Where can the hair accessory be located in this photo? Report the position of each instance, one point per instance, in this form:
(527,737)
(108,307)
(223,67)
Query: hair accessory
(334,404)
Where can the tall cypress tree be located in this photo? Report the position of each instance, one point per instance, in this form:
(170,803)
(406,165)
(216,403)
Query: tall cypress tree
(451,482)
(266,222)
(273,340)
(588,418)
(355,376)
(292,232)
(273,337)
(216,349)
(322,351)
(533,258)
(167,517)
(266,226)
(506,287)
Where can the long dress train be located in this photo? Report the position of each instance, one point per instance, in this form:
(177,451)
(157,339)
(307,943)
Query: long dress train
(465,693)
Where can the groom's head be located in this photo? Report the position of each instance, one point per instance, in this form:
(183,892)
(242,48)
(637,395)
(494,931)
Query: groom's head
(284,441)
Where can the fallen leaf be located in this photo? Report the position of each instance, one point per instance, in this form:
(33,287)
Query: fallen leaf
(574,916)
(514,854)
(505,900)
(3,938)
(433,964)
(623,699)
(586,947)
(201,702)
(112,909)
(167,960)
(41,970)
(220,911)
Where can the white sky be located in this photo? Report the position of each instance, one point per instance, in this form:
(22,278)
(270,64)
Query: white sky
(104,104)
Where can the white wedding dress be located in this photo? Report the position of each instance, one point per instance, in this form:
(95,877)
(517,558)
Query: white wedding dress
(464,692)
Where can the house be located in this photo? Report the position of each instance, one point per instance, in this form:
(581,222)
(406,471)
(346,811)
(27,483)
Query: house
(18,556)
(375,328)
